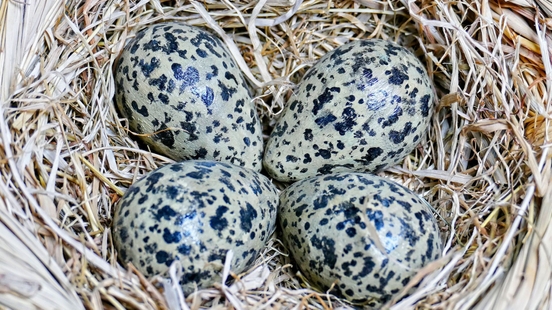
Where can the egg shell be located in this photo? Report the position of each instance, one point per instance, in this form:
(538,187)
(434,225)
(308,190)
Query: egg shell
(179,88)
(368,234)
(362,107)
(195,211)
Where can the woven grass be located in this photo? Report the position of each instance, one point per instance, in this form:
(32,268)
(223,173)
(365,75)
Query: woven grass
(66,157)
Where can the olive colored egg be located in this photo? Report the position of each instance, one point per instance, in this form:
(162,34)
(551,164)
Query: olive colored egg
(366,234)
(182,92)
(195,212)
(362,107)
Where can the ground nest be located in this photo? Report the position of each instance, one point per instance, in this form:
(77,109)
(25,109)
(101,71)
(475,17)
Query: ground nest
(66,157)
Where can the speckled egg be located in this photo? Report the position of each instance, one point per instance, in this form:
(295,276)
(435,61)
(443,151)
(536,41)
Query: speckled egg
(366,234)
(180,89)
(195,211)
(362,107)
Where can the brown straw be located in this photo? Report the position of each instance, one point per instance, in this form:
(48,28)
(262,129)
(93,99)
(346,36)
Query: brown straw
(66,157)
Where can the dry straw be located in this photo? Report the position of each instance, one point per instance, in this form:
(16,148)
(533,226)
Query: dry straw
(66,157)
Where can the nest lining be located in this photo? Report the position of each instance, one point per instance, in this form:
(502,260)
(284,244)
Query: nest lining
(67,157)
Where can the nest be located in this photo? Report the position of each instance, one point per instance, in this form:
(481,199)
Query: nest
(66,156)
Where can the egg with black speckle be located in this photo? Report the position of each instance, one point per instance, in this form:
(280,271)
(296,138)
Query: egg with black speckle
(362,107)
(186,98)
(195,212)
(366,234)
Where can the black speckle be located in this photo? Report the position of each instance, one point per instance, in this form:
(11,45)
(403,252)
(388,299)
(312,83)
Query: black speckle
(348,121)
(227,183)
(226,92)
(165,213)
(279,130)
(188,78)
(184,249)
(208,98)
(371,154)
(367,79)
(385,201)
(147,68)
(165,136)
(425,105)
(320,202)
(376,217)
(218,222)
(393,118)
(163,258)
(251,126)
(172,192)
(299,210)
(171,237)
(407,206)
(324,98)
(307,134)
(230,76)
(151,248)
(398,136)
(366,268)
(326,154)
(200,153)
(396,76)
(327,247)
(160,83)
(123,234)
(429,251)
(190,128)
(291,158)
(325,120)
(201,53)
(247,216)
(163,98)
(209,42)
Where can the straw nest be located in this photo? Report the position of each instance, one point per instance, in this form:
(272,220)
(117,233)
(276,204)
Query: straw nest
(66,157)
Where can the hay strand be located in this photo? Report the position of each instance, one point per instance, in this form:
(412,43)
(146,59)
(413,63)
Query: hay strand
(67,157)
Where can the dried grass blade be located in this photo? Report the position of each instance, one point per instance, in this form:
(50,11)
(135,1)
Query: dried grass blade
(20,23)
(234,50)
(27,261)
(261,22)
